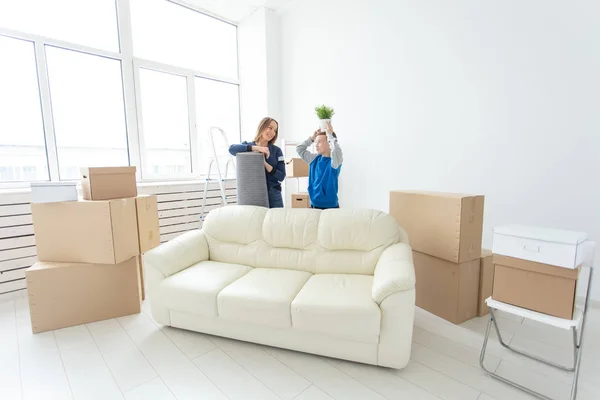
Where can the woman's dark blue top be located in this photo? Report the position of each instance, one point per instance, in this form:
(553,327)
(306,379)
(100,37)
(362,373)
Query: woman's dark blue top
(275,160)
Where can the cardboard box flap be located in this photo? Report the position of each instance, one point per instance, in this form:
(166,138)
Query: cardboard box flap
(486,253)
(471,214)
(295,160)
(88,171)
(543,234)
(539,268)
(148,224)
(431,193)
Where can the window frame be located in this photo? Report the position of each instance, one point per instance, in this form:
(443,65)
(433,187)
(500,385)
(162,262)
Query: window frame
(130,67)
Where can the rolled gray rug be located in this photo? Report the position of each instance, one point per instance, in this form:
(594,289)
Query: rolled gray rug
(251,180)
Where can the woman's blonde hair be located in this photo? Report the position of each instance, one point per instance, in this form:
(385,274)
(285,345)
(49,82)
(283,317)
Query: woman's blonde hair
(266,121)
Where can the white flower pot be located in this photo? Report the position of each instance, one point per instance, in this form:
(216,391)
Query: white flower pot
(323,124)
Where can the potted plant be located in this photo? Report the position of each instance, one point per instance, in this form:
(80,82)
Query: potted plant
(324,113)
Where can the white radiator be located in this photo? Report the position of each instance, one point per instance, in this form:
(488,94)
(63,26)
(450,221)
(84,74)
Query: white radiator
(179,209)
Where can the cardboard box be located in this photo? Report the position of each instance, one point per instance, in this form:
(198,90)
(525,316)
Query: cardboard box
(539,287)
(49,192)
(69,294)
(300,200)
(444,225)
(106,183)
(547,246)
(148,229)
(296,168)
(486,281)
(104,232)
(147,219)
(446,289)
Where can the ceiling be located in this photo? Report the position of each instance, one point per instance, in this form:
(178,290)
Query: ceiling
(235,10)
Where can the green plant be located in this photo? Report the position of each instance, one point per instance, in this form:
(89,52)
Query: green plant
(324,112)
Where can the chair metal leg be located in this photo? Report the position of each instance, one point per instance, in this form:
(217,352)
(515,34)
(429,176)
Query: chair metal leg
(531,356)
(493,374)
(579,343)
(577,347)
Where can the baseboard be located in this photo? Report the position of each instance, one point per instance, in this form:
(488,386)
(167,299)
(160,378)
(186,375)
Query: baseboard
(14,295)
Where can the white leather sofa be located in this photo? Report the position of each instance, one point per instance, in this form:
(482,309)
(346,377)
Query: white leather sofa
(338,283)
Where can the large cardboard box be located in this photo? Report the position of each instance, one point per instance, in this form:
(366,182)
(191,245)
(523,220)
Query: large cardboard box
(486,281)
(300,200)
(106,183)
(68,294)
(539,287)
(444,225)
(446,289)
(296,168)
(104,232)
(148,229)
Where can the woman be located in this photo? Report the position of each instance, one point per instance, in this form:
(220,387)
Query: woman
(266,135)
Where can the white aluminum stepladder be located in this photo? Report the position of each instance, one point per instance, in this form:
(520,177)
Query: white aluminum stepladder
(215,159)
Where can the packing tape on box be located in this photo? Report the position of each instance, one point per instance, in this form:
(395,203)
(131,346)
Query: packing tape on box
(251,182)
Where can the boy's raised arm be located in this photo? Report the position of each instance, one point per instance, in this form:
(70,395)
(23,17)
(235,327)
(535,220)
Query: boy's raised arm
(337,156)
(302,150)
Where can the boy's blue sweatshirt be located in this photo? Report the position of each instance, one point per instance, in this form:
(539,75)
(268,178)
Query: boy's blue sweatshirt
(323,173)
(323,183)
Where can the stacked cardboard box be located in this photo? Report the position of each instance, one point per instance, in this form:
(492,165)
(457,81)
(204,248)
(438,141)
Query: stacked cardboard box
(296,168)
(445,232)
(89,264)
(300,200)
(538,268)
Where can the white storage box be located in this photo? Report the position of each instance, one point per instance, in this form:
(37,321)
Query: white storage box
(547,246)
(51,192)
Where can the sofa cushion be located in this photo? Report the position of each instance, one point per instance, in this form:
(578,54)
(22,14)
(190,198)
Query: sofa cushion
(262,296)
(338,305)
(195,289)
(235,224)
(291,228)
(353,240)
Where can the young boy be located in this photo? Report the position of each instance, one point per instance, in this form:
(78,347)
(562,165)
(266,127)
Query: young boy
(324,168)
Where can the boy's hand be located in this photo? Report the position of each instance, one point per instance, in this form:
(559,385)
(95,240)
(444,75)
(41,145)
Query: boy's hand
(329,128)
(314,135)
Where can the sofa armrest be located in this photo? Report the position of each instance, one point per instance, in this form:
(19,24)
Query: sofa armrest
(394,272)
(178,254)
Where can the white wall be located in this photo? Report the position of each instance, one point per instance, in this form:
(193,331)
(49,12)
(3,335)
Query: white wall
(273,45)
(252,52)
(259,59)
(499,98)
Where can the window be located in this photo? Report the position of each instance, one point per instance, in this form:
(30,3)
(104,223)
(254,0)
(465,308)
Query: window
(217,104)
(183,38)
(88,109)
(87,83)
(89,23)
(165,124)
(21,127)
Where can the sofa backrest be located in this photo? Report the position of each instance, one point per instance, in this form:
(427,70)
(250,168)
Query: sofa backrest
(331,241)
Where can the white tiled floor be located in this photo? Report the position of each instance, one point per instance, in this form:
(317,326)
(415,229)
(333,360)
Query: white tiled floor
(133,358)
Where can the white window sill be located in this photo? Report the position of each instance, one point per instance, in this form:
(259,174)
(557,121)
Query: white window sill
(150,183)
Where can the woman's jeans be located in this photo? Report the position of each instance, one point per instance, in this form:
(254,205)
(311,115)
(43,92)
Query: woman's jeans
(275,198)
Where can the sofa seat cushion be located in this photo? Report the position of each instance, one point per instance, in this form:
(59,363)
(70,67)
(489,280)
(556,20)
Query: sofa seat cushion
(338,305)
(263,297)
(195,289)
